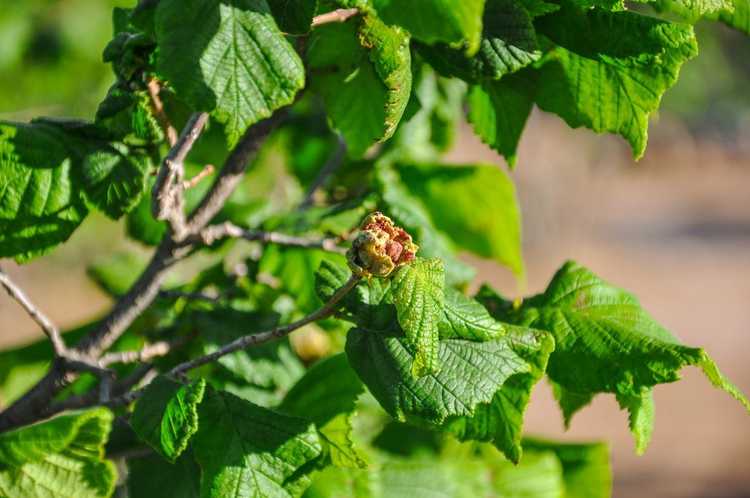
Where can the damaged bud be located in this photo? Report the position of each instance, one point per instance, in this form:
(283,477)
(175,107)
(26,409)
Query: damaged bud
(380,247)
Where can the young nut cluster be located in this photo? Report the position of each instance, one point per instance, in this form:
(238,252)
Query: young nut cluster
(380,247)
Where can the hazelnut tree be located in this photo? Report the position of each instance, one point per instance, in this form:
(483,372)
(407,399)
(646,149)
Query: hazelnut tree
(331,215)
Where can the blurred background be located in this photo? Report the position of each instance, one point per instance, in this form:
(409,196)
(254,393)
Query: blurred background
(673,228)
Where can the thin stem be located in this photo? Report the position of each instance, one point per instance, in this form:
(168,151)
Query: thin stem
(276,333)
(211,234)
(49,328)
(154,89)
(147,353)
(190,296)
(338,15)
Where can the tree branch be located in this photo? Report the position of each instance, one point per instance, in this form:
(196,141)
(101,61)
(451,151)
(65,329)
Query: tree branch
(122,395)
(34,405)
(276,333)
(232,172)
(207,171)
(213,233)
(50,330)
(167,200)
(147,353)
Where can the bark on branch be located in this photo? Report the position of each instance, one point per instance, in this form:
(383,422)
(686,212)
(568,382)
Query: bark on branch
(49,328)
(214,233)
(167,196)
(35,404)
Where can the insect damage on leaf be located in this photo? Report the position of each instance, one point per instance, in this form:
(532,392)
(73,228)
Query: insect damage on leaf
(380,247)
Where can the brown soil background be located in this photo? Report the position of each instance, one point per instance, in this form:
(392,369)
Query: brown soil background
(673,228)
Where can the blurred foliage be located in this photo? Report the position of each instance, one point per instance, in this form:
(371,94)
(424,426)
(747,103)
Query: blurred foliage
(717,106)
(50,57)
(51,62)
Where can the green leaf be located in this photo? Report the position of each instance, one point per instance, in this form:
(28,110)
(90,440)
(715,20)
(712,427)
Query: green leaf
(475,205)
(41,196)
(471,374)
(431,131)
(114,181)
(362,68)
(508,44)
(611,69)
(49,171)
(456,22)
(294,16)
(692,10)
(329,388)
(227,57)
(262,374)
(738,16)
(640,417)
(416,480)
(166,416)
(453,474)
(140,224)
(338,434)
(607,343)
(607,5)
(327,395)
(417,291)
(586,469)
(63,456)
(501,421)
(463,472)
(464,318)
(498,112)
(537,8)
(407,211)
(538,475)
(148,476)
(129,117)
(295,267)
(246,451)
(341,483)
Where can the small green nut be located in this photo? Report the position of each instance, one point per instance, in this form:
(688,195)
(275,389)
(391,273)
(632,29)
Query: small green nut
(380,247)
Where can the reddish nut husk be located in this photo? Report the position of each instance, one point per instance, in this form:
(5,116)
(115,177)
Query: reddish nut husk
(380,247)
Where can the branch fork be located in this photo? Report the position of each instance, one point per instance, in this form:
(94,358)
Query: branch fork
(185,234)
